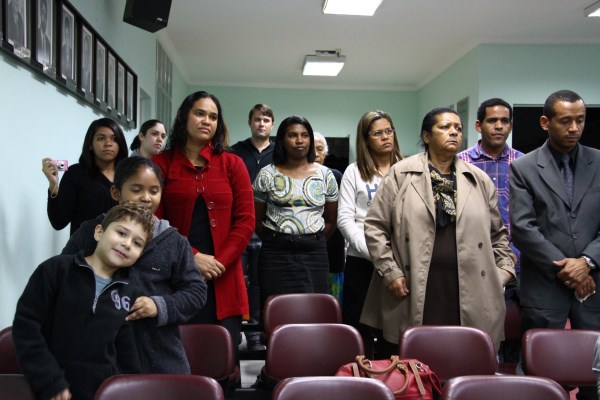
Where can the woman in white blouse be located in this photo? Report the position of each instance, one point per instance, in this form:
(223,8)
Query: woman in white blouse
(377,150)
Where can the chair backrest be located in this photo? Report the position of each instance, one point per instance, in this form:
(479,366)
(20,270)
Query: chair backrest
(159,387)
(15,387)
(565,355)
(512,320)
(502,387)
(8,355)
(310,350)
(450,350)
(332,387)
(300,308)
(209,350)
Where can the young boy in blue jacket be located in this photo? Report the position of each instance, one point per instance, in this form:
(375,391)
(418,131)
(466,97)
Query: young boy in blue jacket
(70,329)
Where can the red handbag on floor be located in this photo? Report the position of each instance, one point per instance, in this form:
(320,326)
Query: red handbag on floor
(408,378)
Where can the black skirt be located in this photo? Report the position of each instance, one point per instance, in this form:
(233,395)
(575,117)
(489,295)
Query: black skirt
(292,264)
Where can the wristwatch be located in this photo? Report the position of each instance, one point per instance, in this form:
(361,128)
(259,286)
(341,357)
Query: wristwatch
(589,262)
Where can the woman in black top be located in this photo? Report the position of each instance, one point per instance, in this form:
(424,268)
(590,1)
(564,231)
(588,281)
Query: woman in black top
(84,191)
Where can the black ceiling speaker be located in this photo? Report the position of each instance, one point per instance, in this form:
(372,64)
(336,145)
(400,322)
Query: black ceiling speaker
(150,15)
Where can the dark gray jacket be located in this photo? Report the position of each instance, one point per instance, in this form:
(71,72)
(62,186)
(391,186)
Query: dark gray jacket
(165,272)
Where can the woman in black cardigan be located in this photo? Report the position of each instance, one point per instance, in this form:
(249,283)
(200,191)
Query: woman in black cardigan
(84,190)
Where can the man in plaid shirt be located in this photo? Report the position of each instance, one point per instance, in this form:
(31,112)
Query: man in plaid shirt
(492,155)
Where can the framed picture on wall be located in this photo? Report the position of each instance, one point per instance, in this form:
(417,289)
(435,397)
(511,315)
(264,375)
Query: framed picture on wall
(17,26)
(130,96)
(121,89)
(111,82)
(44,52)
(100,72)
(86,60)
(67,44)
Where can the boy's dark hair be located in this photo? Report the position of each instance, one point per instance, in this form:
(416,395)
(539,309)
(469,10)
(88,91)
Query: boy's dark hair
(133,211)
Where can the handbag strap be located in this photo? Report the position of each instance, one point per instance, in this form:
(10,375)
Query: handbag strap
(355,370)
(395,363)
(364,364)
(415,371)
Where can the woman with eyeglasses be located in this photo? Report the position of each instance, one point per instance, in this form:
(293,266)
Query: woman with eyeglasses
(84,190)
(437,241)
(377,150)
(295,200)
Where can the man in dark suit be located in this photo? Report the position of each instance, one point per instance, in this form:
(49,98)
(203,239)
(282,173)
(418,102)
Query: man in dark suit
(555,220)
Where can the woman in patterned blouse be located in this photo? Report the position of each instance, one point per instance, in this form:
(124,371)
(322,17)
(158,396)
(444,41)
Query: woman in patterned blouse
(295,201)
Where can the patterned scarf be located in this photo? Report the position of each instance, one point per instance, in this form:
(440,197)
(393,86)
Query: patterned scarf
(444,195)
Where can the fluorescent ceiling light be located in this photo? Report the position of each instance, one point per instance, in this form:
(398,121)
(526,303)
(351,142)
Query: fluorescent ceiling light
(351,7)
(324,63)
(593,10)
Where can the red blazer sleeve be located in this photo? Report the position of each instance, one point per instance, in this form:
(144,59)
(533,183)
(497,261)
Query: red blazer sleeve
(242,212)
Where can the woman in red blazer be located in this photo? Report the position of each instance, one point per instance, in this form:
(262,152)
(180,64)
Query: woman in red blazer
(208,197)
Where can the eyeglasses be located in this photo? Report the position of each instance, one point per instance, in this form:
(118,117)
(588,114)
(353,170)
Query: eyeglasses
(379,134)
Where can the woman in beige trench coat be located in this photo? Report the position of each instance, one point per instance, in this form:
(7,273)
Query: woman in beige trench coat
(440,250)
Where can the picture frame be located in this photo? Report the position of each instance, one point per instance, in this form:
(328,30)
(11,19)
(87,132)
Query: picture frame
(17,26)
(67,44)
(86,62)
(130,96)
(44,30)
(52,39)
(100,86)
(120,89)
(1,24)
(111,81)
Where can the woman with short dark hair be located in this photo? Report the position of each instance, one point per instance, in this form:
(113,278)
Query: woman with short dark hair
(438,244)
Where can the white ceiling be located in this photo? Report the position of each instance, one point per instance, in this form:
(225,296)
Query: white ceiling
(406,44)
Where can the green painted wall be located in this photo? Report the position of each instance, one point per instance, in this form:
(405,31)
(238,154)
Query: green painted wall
(457,82)
(334,113)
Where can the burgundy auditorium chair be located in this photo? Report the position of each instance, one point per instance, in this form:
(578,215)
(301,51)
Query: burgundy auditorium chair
(300,308)
(15,387)
(209,351)
(332,387)
(503,387)
(450,351)
(8,356)
(159,387)
(297,350)
(564,355)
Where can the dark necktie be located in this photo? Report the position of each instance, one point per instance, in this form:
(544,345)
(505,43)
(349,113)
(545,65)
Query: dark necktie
(567,176)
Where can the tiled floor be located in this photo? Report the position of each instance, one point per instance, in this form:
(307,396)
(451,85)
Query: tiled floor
(249,369)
